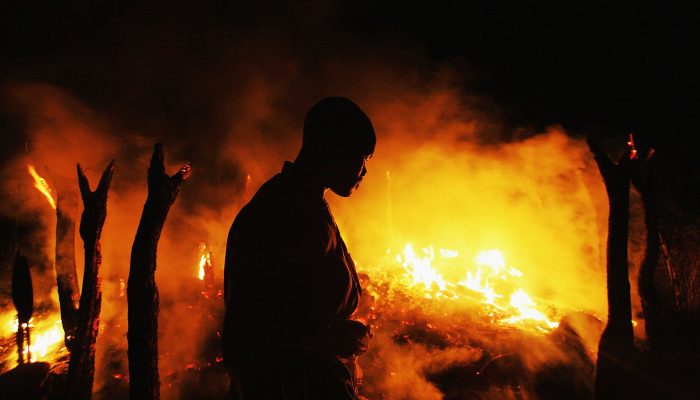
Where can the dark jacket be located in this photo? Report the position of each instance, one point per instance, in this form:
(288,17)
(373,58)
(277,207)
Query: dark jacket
(288,280)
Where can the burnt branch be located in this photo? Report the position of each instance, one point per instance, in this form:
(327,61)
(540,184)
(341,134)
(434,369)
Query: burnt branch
(81,369)
(142,292)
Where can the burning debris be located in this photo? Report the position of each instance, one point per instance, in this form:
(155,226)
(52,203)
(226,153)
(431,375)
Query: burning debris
(487,283)
(459,334)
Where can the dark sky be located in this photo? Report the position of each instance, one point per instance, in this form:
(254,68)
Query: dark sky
(587,65)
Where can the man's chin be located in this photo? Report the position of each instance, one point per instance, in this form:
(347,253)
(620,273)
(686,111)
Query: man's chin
(345,191)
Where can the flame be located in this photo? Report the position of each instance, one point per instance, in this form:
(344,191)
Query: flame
(46,339)
(486,281)
(41,185)
(204,261)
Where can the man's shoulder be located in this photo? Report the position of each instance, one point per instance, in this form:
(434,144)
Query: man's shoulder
(272,198)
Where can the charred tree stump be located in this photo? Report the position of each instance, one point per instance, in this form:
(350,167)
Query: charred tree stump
(81,369)
(66,275)
(642,176)
(23,299)
(616,343)
(142,292)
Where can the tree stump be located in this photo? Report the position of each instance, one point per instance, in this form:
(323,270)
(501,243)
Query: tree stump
(142,292)
(616,343)
(81,369)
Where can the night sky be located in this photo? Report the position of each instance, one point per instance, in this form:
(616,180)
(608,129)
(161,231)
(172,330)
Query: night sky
(591,66)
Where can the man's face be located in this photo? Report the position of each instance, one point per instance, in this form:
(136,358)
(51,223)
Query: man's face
(347,172)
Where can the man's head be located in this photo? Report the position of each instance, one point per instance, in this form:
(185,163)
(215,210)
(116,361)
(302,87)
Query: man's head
(338,139)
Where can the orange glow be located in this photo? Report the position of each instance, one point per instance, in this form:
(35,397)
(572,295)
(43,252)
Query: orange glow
(42,186)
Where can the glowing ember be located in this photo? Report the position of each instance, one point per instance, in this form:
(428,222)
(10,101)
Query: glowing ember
(632,148)
(41,185)
(495,284)
(204,261)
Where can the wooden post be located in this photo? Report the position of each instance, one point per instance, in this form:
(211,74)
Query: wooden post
(81,369)
(142,292)
(616,342)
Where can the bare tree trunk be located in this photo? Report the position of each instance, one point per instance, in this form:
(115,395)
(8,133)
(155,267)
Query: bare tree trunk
(81,369)
(642,174)
(142,292)
(66,275)
(616,342)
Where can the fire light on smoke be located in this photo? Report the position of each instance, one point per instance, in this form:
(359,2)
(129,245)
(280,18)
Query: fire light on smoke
(488,282)
(42,186)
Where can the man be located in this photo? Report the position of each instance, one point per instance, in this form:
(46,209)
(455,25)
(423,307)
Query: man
(290,283)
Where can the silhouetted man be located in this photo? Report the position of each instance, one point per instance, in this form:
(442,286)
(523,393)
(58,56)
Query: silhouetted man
(290,284)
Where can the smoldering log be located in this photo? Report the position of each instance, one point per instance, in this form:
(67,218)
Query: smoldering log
(616,342)
(66,275)
(142,292)
(23,299)
(81,368)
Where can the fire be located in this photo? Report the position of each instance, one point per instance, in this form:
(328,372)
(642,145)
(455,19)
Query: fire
(46,339)
(204,261)
(41,185)
(488,281)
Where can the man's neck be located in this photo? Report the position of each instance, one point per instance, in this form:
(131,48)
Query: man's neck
(309,172)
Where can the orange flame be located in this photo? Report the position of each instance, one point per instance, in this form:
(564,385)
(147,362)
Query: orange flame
(204,261)
(46,339)
(41,185)
(489,278)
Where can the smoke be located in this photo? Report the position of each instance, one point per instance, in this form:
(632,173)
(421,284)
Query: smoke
(446,172)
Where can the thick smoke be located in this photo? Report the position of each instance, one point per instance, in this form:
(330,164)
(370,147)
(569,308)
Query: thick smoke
(446,172)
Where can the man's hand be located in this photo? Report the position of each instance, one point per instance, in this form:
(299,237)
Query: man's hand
(349,337)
